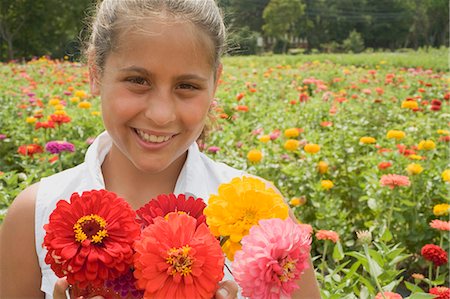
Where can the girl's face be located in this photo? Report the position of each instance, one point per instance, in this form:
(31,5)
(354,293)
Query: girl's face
(156,89)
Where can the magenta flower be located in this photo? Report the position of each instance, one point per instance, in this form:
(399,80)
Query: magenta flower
(56,147)
(274,255)
(213,149)
(394,180)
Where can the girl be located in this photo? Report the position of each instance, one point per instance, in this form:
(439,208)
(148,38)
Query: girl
(155,65)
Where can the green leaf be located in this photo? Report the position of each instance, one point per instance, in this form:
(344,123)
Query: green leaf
(338,252)
(386,236)
(421,296)
(413,288)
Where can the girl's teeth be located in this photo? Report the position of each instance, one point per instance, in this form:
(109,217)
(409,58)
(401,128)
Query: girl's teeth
(152,138)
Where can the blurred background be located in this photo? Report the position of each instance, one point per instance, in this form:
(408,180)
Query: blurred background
(33,28)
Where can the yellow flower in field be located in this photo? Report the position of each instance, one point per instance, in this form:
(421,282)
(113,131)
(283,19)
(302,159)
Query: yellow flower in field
(383,62)
(264,138)
(443,132)
(80,94)
(326,184)
(367,140)
(426,145)
(396,134)
(291,132)
(254,155)
(59,107)
(410,104)
(322,167)
(96,113)
(291,144)
(54,102)
(414,169)
(441,209)
(312,148)
(74,99)
(239,205)
(60,112)
(84,105)
(415,157)
(297,201)
(31,120)
(446,175)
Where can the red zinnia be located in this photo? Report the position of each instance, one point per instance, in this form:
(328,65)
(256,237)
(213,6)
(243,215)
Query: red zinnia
(90,238)
(435,254)
(175,258)
(165,204)
(440,292)
(30,149)
(384,165)
(60,118)
(45,125)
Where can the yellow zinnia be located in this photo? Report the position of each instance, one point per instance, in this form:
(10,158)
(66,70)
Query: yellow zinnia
(254,155)
(367,140)
(291,132)
(238,206)
(54,101)
(326,184)
(291,144)
(322,167)
(84,105)
(446,175)
(80,94)
(312,148)
(441,209)
(264,138)
(414,169)
(443,132)
(426,145)
(415,157)
(31,120)
(410,104)
(297,201)
(396,134)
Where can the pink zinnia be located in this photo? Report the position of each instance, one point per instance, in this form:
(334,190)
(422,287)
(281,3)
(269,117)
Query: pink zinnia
(440,225)
(274,255)
(327,235)
(388,295)
(394,180)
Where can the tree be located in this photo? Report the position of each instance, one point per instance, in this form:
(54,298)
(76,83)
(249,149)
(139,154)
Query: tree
(281,19)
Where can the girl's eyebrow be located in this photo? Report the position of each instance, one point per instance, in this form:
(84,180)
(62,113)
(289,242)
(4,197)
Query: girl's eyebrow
(146,73)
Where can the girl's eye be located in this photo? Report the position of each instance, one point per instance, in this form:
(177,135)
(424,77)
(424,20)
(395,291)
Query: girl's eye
(137,80)
(187,86)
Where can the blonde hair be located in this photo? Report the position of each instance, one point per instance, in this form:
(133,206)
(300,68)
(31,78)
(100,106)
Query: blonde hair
(112,17)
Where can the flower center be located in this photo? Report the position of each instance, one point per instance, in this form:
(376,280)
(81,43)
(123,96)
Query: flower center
(179,260)
(288,267)
(172,213)
(91,227)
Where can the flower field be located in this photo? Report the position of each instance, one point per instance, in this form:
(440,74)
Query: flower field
(358,145)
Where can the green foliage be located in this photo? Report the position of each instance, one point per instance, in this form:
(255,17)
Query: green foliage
(243,42)
(354,43)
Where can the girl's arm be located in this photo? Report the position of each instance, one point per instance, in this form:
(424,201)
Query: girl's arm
(20,274)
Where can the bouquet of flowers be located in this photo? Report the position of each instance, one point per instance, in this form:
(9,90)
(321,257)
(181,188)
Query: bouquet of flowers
(269,250)
(96,241)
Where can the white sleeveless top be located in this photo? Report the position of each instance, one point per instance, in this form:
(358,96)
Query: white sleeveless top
(199,177)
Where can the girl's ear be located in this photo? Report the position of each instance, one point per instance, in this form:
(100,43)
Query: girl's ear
(218,75)
(94,80)
(94,75)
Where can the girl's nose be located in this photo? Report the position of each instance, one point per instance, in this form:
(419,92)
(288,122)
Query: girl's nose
(161,108)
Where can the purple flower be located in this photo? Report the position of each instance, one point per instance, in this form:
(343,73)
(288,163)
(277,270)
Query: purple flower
(213,149)
(124,286)
(2,136)
(56,147)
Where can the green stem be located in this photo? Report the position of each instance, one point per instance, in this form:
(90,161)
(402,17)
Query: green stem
(430,272)
(324,255)
(366,252)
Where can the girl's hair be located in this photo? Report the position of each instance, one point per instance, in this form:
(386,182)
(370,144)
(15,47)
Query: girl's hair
(113,17)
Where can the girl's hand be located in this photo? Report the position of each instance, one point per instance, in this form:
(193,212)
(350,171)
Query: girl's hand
(227,290)
(62,288)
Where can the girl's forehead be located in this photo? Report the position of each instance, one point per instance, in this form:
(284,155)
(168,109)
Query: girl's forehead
(175,34)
